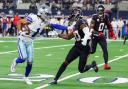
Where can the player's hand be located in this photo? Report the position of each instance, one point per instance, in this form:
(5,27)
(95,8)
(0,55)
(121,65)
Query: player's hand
(100,34)
(84,42)
(114,37)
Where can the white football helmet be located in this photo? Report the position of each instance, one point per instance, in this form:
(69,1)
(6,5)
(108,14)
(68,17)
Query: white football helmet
(44,11)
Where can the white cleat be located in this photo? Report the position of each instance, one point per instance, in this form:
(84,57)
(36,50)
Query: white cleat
(13,66)
(27,80)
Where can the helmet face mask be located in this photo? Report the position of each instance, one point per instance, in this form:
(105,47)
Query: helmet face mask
(75,14)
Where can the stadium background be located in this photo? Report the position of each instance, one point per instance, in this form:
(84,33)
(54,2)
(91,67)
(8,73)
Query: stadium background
(50,53)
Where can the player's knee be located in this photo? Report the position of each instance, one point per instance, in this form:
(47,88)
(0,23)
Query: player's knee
(29,63)
(24,58)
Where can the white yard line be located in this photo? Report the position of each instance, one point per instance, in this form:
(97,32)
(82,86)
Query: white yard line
(73,75)
(38,48)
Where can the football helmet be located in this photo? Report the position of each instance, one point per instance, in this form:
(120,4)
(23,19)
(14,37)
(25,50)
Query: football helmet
(44,11)
(75,14)
(100,9)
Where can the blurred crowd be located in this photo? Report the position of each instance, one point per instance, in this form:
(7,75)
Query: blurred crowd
(68,4)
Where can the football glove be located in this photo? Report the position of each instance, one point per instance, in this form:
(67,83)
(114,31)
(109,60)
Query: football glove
(100,34)
(114,37)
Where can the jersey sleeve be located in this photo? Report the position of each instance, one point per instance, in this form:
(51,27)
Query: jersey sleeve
(59,27)
(31,18)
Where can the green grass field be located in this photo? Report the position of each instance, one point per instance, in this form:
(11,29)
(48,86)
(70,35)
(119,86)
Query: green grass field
(50,53)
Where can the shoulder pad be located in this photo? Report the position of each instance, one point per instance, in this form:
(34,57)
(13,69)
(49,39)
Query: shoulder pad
(31,18)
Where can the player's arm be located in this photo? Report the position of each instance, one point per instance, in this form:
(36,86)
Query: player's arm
(68,36)
(20,23)
(110,29)
(59,27)
(92,24)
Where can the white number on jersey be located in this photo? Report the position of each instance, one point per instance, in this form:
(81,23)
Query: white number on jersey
(101,27)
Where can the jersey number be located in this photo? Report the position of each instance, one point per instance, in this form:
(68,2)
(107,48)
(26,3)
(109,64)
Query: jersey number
(101,27)
(77,36)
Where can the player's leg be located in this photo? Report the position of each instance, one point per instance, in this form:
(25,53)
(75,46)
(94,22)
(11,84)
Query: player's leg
(93,44)
(125,38)
(103,44)
(72,55)
(22,55)
(83,67)
(29,62)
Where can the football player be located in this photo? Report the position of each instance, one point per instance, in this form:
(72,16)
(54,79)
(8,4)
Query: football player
(98,23)
(80,49)
(28,28)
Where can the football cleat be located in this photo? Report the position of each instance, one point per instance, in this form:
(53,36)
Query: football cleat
(107,67)
(94,66)
(27,80)
(13,66)
(53,82)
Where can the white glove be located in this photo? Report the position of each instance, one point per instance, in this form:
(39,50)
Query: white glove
(87,36)
(85,39)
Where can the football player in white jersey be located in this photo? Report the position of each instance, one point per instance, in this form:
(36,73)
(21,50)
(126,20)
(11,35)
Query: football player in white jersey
(28,28)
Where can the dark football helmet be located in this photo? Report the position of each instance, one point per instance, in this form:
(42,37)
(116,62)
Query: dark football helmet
(75,14)
(100,9)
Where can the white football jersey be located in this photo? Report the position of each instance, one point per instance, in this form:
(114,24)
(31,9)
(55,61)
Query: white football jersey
(35,24)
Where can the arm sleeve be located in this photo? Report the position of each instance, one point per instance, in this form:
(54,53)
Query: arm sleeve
(59,27)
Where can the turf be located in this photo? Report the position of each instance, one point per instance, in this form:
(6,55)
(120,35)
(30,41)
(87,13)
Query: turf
(50,53)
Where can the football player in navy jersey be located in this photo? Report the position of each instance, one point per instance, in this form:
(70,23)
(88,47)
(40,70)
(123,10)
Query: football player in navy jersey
(97,26)
(80,49)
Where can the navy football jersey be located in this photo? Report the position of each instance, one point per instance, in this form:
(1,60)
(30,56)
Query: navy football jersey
(100,22)
(79,34)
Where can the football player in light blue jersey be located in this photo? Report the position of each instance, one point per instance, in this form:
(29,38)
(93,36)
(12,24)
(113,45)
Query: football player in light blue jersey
(28,28)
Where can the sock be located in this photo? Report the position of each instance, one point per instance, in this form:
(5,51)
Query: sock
(28,70)
(60,71)
(19,60)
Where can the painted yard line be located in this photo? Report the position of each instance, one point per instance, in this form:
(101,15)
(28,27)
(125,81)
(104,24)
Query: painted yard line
(39,48)
(73,75)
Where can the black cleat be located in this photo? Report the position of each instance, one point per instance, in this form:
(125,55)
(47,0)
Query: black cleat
(94,66)
(53,82)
